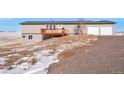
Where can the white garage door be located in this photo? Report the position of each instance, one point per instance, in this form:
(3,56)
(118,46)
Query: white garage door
(93,30)
(105,30)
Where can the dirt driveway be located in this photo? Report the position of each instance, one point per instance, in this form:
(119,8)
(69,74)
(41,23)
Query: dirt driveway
(105,56)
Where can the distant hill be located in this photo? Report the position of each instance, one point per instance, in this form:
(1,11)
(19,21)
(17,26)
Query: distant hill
(7,31)
(10,34)
(2,31)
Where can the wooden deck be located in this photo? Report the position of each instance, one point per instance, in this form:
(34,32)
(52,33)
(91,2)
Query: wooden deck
(53,32)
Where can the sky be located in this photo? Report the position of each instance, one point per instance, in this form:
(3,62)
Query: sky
(12,24)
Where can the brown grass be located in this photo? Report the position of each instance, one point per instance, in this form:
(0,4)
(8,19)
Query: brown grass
(55,43)
(13,45)
(33,61)
(66,54)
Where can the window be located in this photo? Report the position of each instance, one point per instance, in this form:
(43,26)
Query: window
(23,36)
(78,26)
(30,37)
(50,26)
(47,26)
(54,27)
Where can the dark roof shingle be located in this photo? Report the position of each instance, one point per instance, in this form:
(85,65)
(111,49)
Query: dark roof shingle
(65,22)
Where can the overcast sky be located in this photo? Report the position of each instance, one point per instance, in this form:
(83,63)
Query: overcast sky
(12,24)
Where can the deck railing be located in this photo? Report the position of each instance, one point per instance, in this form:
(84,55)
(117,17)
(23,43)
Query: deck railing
(57,31)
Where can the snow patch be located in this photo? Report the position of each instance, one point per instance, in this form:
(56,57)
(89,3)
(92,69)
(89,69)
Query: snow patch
(17,49)
(2,60)
(25,59)
(12,55)
(43,59)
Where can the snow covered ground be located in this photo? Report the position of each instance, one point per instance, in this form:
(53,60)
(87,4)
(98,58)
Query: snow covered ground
(43,58)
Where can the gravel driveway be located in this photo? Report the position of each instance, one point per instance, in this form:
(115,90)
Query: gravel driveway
(105,56)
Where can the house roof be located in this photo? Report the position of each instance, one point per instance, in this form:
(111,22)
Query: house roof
(65,22)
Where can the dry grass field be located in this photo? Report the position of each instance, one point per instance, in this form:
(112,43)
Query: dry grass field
(17,57)
(105,56)
(9,38)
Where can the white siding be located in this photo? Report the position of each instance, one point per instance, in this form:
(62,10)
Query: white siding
(100,29)
(35,38)
(93,30)
(37,28)
(32,28)
(71,29)
(105,30)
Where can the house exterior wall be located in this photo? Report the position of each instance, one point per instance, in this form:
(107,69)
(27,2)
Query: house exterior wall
(32,28)
(84,28)
(35,30)
(35,37)
(71,29)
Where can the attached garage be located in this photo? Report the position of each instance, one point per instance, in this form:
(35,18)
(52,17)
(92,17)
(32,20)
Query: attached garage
(93,30)
(105,30)
(100,29)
